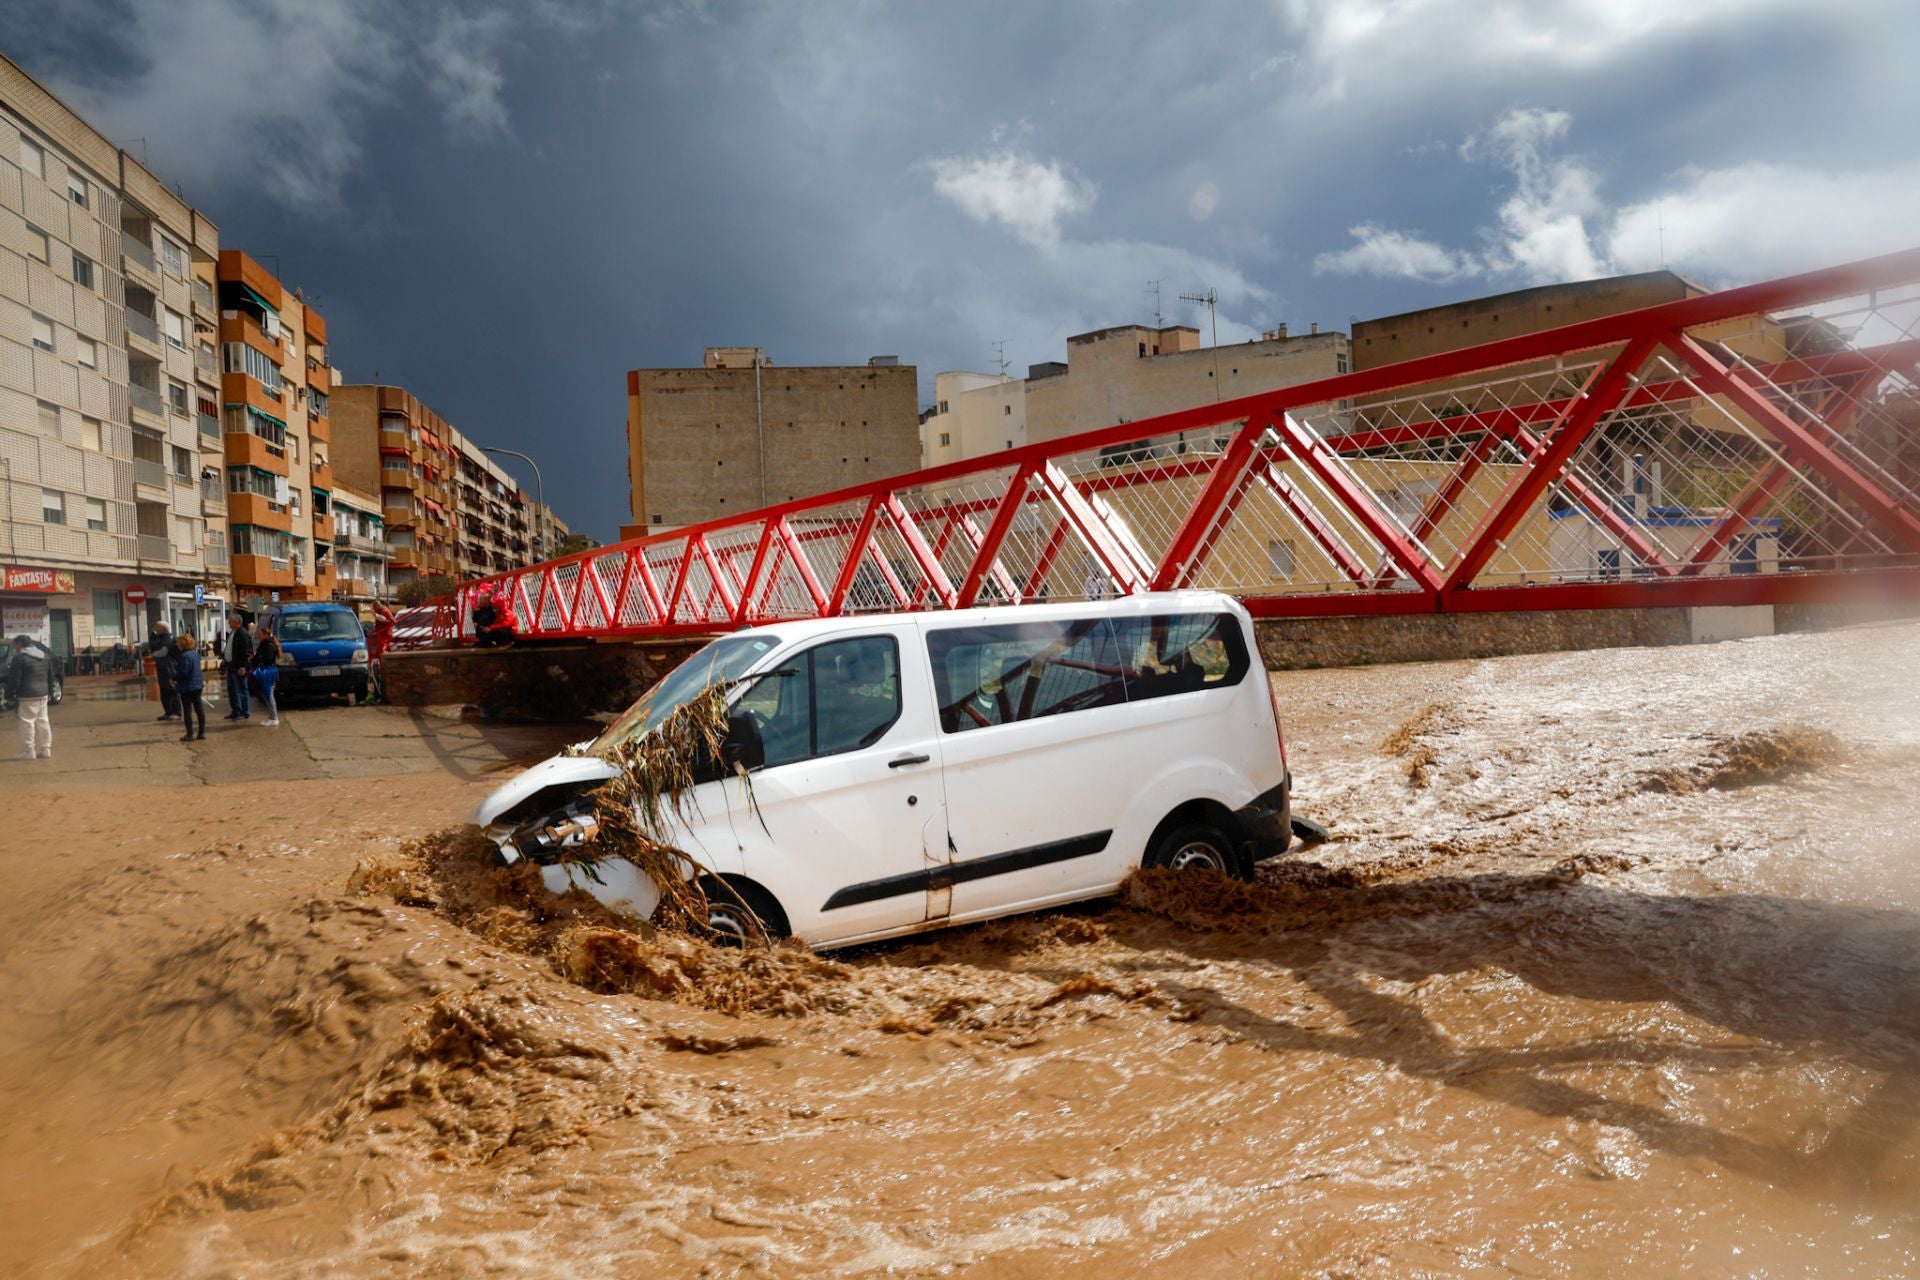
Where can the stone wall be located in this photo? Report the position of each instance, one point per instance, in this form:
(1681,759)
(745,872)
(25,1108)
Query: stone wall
(1291,643)
(558,682)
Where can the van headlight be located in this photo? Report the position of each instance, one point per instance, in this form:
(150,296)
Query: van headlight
(285,659)
(359,657)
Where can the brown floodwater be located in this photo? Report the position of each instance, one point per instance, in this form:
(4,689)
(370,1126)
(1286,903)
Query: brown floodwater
(1611,966)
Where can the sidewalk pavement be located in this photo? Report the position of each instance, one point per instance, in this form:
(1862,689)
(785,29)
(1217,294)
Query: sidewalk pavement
(105,734)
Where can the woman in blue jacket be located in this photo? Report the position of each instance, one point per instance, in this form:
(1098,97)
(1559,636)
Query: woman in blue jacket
(189,682)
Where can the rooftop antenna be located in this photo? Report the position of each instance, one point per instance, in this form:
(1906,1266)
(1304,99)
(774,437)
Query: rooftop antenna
(1000,357)
(1159,321)
(1661,209)
(1213,319)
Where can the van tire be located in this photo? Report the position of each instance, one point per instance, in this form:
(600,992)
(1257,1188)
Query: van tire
(1194,846)
(740,912)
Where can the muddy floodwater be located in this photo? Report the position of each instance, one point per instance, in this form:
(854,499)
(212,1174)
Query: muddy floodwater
(1611,967)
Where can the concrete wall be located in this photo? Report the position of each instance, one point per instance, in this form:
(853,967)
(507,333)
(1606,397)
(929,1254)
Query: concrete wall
(1108,379)
(695,436)
(545,682)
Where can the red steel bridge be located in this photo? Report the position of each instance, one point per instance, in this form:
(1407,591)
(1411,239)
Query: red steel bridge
(1759,445)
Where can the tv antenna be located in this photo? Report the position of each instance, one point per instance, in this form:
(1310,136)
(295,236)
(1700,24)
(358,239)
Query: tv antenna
(1000,357)
(1213,319)
(1159,321)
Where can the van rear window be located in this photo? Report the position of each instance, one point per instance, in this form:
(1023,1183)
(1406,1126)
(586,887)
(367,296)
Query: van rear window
(992,675)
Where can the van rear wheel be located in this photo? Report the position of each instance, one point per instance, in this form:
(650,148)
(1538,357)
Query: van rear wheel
(1196,846)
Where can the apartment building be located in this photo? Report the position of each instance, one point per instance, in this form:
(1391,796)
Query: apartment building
(275,414)
(496,524)
(448,509)
(108,387)
(359,546)
(740,432)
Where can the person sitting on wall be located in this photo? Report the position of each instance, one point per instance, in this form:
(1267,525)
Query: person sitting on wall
(493,621)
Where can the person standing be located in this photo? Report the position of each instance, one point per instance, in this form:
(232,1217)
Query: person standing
(239,662)
(30,685)
(266,669)
(189,684)
(165,657)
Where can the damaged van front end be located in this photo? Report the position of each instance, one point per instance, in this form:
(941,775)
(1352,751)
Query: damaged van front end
(547,816)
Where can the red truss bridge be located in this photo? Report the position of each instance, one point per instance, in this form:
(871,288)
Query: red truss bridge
(1759,445)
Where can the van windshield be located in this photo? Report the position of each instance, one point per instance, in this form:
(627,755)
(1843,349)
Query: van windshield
(720,661)
(325,625)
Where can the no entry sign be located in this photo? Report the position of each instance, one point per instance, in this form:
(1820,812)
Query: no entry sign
(136,594)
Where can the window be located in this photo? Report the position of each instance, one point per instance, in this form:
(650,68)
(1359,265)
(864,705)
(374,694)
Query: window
(83,271)
(1280,559)
(106,617)
(174,257)
(77,188)
(90,433)
(250,480)
(1181,653)
(33,157)
(1340,363)
(840,696)
(43,333)
(320,404)
(997,675)
(53,506)
(177,397)
(176,327)
(241,358)
(182,465)
(89,353)
(986,676)
(37,247)
(96,515)
(946,438)
(1007,410)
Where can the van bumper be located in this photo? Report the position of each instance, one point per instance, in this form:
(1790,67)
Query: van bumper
(1266,821)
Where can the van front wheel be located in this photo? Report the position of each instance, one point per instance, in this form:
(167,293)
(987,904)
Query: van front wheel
(739,913)
(1195,846)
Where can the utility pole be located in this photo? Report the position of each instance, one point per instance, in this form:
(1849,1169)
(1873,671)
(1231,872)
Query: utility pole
(1000,357)
(1159,320)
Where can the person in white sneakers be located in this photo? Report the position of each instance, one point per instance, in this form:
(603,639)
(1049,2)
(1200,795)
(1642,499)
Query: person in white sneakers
(29,686)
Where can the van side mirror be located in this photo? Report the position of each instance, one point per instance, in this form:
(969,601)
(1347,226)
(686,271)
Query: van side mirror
(742,747)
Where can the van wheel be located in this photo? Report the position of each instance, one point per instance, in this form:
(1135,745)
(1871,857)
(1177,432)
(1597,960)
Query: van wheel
(1196,846)
(740,912)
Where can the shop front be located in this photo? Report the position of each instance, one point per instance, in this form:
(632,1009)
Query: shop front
(26,600)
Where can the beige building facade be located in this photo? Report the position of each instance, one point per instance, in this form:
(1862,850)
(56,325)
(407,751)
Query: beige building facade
(108,387)
(359,546)
(739,433)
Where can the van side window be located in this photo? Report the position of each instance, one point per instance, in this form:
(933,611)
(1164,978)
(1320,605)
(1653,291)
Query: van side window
(841,696)
(1181,653)
(1021,671)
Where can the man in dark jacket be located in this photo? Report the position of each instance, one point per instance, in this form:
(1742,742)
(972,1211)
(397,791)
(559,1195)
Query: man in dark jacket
(29,685)
(239,659)
(161,650)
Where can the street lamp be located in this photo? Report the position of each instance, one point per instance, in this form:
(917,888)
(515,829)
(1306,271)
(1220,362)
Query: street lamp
(539,499)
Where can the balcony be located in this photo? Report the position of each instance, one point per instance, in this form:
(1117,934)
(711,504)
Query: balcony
(262,572)
(146,399)
(203,298)
(209,426)
(239,388)
(140,254)
(322,476)
(143,327)
(323,528)
(213,496)
(393,441)
(156,548)
(217,559)
(257,509)
(205,363)
(320,427)
(151,473)
(243,448)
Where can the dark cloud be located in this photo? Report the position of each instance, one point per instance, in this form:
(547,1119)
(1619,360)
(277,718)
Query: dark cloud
(505,206)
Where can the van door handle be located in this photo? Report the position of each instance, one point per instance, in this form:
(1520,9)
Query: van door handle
(901,761)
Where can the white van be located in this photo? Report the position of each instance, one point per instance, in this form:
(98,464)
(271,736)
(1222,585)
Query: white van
(914,770)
